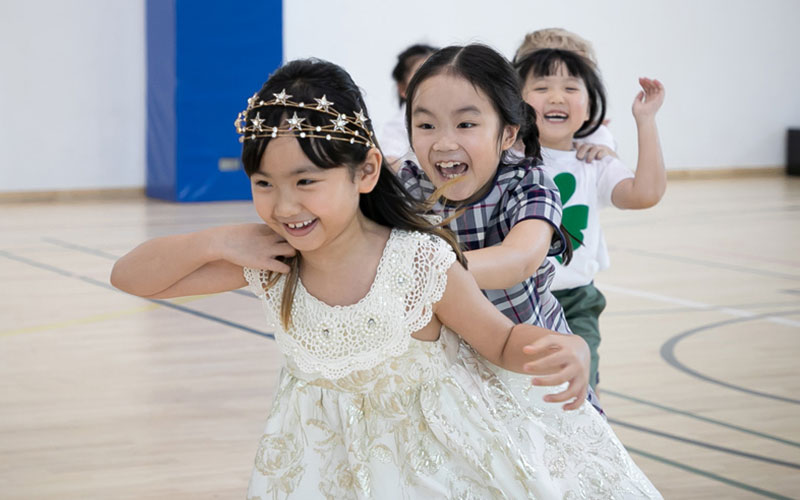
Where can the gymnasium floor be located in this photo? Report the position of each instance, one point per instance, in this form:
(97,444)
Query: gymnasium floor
(105,395)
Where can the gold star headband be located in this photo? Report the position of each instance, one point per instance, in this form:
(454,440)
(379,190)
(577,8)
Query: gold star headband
(342,127)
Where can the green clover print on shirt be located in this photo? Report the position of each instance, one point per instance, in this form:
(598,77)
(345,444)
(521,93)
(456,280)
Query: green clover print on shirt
(574,218)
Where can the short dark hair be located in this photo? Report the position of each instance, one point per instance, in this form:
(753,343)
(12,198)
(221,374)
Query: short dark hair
(406,59)
(546,62)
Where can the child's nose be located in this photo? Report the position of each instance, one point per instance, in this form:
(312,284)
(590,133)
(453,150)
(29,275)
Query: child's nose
(285,205)
(445,142)
(556,97)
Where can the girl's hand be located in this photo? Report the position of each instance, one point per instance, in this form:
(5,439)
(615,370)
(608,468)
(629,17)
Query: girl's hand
(255,246)
(561,358)
(648,100)
(591,152)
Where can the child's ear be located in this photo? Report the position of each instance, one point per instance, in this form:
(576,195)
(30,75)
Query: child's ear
(369,171)
(509,136)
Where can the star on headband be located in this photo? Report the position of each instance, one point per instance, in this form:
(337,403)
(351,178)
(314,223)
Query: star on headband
(342,128)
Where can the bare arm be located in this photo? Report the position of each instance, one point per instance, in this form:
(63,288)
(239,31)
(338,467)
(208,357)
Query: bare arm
(647,187)
(197,263)
(554,357)
(515,259)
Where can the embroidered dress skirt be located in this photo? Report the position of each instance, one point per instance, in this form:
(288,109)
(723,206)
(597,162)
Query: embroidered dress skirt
(428,425)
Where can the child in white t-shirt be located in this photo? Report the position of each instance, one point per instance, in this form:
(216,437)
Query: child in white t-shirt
(568,96)
(393,136)
(599,143)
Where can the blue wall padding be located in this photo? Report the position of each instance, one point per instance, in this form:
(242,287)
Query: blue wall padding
(204,59)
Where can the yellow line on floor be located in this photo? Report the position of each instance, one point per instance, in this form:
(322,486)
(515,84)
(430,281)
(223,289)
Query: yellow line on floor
(96,318)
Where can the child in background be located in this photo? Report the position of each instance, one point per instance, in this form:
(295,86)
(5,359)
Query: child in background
(600,142)
(568,96)
(364,295)
(465,111)
(394,136)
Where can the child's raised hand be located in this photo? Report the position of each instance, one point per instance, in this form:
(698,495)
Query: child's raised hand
(648,100)
(255,246)
(591,152)
(560,358)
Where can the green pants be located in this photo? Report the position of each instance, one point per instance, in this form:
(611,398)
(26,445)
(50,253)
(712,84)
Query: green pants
(582,308)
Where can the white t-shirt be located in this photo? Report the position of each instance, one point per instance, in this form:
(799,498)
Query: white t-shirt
(393,137)
(601,136)
(585,188)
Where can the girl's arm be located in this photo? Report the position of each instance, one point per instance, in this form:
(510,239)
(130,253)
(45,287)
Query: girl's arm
(553,357)
(647,187)
(515,259)
(198,263)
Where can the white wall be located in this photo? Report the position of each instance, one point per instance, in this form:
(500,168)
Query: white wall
(72,77)
(72,94)
(730,67)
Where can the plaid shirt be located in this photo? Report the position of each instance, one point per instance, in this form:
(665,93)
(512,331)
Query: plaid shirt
(520,191)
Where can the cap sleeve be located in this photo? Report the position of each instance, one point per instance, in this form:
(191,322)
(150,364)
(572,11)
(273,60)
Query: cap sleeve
(256,281)
(609,173)
(430,261)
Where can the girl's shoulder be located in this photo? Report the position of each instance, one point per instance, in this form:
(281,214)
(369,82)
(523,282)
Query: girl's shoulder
(522,174)
(415,242)
(414,180)
(409,169)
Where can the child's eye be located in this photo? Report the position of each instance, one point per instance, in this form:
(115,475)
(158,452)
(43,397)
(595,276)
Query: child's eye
(425,126)
(262,184)
(540,89)
(305,182)
(467,125)
(572,89)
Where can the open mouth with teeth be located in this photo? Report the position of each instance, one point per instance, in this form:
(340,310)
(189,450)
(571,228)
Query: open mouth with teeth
(451,169)
(556,117)
(300,228)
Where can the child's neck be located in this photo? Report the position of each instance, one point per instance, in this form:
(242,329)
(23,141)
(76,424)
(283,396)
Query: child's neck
(559,145)
(342,272)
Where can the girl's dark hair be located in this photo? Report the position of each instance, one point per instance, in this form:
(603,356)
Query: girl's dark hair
(406,59)
(490,72)
(388,204)
(493,75)
(546,62)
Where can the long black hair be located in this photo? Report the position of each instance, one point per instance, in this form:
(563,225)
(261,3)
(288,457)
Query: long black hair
(547,62)
(406,59)
(489,71)
(388,204)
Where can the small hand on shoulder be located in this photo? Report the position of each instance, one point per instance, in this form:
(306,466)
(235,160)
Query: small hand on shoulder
(589,152)
(559,358)
(255,246)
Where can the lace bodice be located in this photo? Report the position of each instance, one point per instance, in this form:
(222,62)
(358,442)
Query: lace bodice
(334,341)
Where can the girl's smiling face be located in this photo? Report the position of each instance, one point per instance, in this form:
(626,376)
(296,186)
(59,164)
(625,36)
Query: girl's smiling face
(561,102)
(309,206)
(456,133)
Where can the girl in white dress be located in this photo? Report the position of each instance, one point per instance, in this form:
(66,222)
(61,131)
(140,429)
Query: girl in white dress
(365,297)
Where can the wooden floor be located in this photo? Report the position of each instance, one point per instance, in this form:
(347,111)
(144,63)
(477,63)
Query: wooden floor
(104,395)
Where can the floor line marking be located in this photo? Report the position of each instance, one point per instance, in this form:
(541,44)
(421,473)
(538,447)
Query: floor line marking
(703,444)
(164,303)
(709,475)
(739,313)
(701,418)
(667,352)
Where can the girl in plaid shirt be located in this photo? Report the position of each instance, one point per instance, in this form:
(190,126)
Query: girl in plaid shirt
(465,112)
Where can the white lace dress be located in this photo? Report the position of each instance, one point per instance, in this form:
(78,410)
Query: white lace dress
(363,410)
